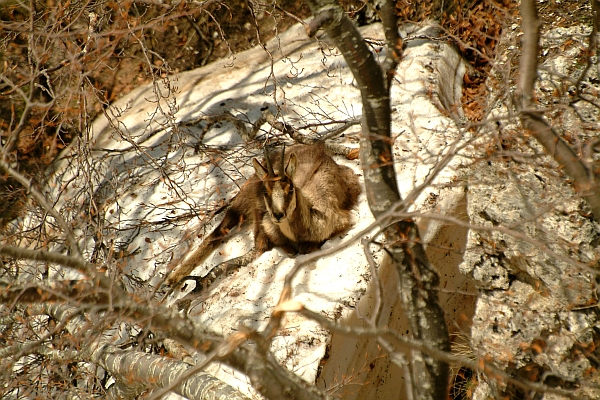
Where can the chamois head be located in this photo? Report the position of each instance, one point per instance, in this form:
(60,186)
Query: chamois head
(279,193)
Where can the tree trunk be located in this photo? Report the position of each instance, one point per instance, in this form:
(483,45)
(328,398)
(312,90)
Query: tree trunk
(418,278)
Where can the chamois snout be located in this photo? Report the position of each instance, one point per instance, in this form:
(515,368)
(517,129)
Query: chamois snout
(279,194)
(281,202)
(277,217)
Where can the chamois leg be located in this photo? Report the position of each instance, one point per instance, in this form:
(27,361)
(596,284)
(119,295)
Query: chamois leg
(218,273)
(226,268)
(232,219)
(261,239)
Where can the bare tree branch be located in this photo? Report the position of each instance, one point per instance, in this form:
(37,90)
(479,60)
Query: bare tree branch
(585,181)
(392,338)
(418,278)
(267,375)
(45,205)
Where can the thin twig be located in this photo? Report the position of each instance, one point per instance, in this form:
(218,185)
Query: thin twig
(45,205)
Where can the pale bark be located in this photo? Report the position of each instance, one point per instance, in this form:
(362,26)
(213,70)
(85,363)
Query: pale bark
(271,379)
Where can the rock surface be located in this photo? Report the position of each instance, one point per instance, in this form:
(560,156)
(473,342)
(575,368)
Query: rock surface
(533,247)
(152,172)
(156,180)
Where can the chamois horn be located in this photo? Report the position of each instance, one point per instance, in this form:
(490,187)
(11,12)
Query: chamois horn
(268,162)
(281,166)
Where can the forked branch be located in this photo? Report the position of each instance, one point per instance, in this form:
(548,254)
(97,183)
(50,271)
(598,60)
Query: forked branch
(418,278)
(585,181)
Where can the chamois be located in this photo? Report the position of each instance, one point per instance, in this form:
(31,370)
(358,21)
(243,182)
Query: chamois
(306,200)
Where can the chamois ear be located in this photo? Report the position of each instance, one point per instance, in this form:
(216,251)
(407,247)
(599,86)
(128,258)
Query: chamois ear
(261,171)
(290,168)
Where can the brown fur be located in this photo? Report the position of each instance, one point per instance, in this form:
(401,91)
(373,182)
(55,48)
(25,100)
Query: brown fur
(296,209)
